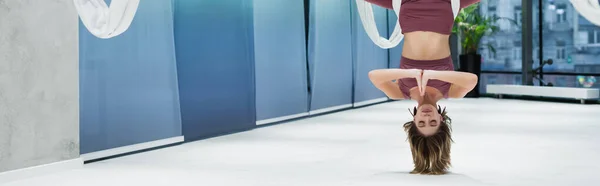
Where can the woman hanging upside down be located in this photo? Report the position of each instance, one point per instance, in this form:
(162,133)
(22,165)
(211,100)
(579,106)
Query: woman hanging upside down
(426,75)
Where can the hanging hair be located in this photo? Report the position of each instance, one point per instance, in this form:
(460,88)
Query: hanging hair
(431,154)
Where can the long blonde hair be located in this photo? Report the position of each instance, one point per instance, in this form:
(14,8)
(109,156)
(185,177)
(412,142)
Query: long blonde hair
(431,154)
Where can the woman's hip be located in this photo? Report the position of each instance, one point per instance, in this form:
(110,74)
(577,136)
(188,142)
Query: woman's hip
(435,64)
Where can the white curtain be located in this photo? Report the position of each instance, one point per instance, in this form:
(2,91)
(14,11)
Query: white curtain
(589,9)
(104,21)
(365,10)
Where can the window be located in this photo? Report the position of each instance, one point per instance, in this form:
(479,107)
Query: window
(586,70)
(518,14)
(560,52)
(583,37)
(572,41)
(561,13)
(561,81)
(589,37)
(492,11)
(503,59)
(488,54)
(491,55)
(517,53)
(492,79)
(507,57)
(489,79)
(560,49)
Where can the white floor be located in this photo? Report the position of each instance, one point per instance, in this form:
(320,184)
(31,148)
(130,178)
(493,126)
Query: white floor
(497,142)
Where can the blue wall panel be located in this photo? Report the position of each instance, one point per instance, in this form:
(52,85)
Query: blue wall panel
(215,64)
(280,57)
(396,52)
(367,55)
(128,84)
(330,53)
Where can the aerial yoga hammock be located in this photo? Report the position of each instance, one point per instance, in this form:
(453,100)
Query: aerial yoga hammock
(589,9)
(103,21)
(365,10)
(107,22)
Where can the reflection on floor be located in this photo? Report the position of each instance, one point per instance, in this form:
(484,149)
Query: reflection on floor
(497,142)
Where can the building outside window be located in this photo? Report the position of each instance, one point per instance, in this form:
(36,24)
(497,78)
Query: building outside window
(560,53)
(517,15)
(567,37)
(517,52)
(561,13)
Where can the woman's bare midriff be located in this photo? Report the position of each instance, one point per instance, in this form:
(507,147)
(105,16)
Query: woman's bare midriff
(421,45)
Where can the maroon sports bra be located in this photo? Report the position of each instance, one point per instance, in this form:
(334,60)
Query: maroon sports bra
(444,64)
(425,15)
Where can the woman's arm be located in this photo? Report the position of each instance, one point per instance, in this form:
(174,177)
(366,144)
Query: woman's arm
(462,82)
(382,79)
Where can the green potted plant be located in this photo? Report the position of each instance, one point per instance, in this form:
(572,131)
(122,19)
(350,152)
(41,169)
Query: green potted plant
(470,27)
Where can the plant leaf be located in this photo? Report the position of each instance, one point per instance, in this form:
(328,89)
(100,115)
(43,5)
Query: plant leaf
(471,27)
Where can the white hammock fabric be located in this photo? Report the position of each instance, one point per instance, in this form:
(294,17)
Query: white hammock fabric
(365,11)
(104,21)
(589,9)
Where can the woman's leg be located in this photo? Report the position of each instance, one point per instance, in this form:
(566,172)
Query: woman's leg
(383,3)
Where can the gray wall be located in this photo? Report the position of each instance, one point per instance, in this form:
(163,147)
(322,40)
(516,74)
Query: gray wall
(39,86)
